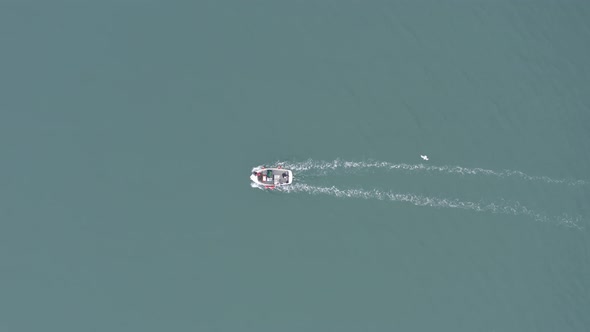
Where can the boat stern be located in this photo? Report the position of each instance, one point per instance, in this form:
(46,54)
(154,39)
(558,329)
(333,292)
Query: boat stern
(290,177)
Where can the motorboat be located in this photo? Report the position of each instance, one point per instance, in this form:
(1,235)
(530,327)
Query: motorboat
(271,177)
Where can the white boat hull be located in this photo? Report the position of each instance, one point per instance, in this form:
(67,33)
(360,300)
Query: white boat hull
(271,177)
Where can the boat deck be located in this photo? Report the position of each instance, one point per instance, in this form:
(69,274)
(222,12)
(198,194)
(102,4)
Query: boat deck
(277,175)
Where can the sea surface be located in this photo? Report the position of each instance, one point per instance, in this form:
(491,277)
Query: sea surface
(128,131)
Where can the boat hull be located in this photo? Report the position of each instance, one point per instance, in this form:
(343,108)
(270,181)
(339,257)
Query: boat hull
(271,177)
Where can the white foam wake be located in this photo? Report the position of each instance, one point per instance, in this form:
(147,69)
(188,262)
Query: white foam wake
(355,165)
(514,208)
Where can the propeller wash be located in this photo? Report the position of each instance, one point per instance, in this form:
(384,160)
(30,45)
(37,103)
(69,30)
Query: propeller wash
(281,178)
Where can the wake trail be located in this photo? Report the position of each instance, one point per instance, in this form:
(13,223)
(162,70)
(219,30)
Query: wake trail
(328,166)
(514,208)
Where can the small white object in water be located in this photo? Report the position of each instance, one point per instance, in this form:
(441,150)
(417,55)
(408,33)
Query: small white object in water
(424,157)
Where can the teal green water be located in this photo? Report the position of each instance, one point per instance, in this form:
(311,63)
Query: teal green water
(128,130)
